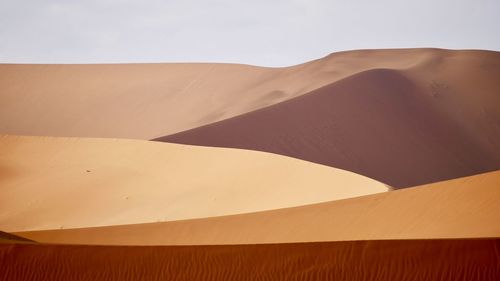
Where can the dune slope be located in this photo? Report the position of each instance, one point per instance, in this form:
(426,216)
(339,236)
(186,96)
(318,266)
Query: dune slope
(146,101)
(378,123)
(460,208)
(52,182)
(364,260)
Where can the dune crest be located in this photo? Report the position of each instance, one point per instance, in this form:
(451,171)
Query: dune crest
(402,127)
(50,182)
(461,208)
(145,101)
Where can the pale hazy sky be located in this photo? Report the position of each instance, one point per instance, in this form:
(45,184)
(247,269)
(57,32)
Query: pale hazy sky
(260,32)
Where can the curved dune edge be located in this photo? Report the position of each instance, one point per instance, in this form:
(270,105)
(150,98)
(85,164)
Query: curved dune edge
(50,183)
(466,259)
(461,208)
(443,118)
(153,100)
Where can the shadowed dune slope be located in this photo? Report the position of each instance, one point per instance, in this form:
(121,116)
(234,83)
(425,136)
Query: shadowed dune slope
(147,101)
(50,182)
(378,123)
(441,260)
(460,208)
(10,238)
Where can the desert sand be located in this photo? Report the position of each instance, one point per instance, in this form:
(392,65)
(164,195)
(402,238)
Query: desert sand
(460,208)
(466,259)
(50,182)
(271,173)
(146,101)
(401,127)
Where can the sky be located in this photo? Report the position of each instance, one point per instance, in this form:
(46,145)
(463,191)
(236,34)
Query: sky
(257,32)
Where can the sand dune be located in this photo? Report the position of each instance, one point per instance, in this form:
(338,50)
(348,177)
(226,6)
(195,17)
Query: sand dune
(147,101)
(467,259)
(382,123)
(460,208)
(161,211)
(52,182)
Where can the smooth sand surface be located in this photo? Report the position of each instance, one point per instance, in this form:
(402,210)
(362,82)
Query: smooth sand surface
(436,120)
(460,208)
(50,182)
(146,101)
(443,260)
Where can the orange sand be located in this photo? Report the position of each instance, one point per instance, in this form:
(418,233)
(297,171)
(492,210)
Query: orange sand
(460,208)
(52,182)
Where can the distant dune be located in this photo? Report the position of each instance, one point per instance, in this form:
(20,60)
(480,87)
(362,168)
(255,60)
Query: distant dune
(466,259)
(401,127)
(146,101)
(460,208)
(52,182)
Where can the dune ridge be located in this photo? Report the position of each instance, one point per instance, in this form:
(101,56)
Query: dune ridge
(152,100)
(50,182)
(461,208)
(378,123)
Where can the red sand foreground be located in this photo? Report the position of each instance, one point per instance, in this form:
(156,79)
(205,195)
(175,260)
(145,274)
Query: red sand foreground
(464,259)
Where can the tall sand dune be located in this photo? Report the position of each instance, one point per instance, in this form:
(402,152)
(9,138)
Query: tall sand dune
(466,259)
(379,123)
(50,182)
(460,208)
(147,101)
